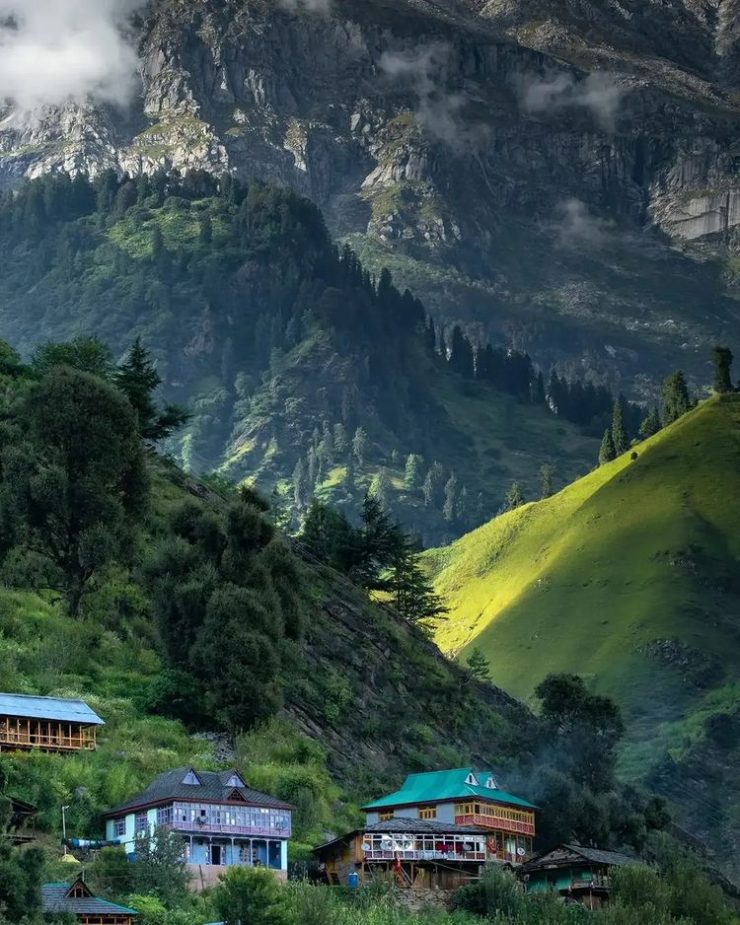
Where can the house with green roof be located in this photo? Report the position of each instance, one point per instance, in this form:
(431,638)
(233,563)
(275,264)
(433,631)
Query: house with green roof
(437,831)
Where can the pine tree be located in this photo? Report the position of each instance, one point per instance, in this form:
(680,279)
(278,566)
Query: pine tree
(650,424)
(300,487)
(434,486)
(514,497)
(381,488)
(479,666)
(547,472)
(413,472)
(607,452)
(449,509)
(359,446)
(138,379)
(722,357)
(619,430)
(675,397)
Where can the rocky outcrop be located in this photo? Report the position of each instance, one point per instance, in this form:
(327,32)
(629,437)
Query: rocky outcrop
(455,139)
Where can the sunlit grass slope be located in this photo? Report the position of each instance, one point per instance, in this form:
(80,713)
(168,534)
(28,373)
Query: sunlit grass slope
(629,577)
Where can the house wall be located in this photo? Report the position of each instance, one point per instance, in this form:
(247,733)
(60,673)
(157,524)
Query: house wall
(560,879)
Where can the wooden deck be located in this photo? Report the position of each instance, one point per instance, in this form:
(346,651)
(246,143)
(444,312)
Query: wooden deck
(17,733)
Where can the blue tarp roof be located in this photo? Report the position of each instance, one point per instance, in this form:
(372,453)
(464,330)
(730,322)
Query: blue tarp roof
(69,711)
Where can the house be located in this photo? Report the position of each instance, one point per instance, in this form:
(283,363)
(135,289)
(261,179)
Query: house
(222,821)
(577,873)
(17,817)
(437,831)
(49,724)
(77,899)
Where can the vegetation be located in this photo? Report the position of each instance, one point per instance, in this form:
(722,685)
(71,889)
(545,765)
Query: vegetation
(300,372)
(627,577)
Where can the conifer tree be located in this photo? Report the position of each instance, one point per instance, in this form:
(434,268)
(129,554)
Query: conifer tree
(359,446)
(650,424)
(619,430)
(722,357)
(449,509)
(381,488)
(300,487)
(479,666)
(138,379)
(547,472)
(675,397)
(607,452)
(413,472)
(514,497)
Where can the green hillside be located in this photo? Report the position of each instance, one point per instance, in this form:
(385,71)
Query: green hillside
(631,578)
(281,348)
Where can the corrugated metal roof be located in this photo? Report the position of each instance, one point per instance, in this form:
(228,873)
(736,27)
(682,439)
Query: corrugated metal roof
(213,788)
(30,707)
(437,786)
(54,898)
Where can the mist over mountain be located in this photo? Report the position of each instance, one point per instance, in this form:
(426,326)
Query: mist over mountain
(558,177)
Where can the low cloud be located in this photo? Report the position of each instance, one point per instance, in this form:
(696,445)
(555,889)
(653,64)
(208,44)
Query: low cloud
(312,6)
(576,227)
(425,71)
(53,52)
(599,93)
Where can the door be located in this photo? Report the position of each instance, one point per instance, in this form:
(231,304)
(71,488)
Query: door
(216,855)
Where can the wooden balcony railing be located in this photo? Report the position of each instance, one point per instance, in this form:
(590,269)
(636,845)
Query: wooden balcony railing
(380,855)
(46,735)
(213,828)
(495,822)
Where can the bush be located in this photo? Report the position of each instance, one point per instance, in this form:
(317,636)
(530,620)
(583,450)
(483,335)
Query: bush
(252,896)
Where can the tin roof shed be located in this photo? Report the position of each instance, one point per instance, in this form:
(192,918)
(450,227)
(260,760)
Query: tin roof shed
(51,708)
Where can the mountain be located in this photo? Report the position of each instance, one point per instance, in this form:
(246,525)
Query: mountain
(628,577)
(302,374)
(560,177)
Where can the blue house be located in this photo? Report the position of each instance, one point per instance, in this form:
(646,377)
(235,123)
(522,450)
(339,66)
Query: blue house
(222,821)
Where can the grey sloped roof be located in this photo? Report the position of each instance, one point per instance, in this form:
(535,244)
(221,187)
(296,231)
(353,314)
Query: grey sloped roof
(54,898)
(601,855)
(31,707)
(213,788)
(591,855)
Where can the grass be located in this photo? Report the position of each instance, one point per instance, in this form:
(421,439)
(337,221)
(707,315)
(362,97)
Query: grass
(636,551)
(628,577)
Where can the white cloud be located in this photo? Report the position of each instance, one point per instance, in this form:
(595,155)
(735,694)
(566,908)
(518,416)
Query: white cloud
(576,227)
(312,6)
(57,51)
(599,93)
(425,71)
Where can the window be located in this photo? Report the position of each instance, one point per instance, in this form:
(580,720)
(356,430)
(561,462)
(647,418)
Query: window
(471,780)
(164,815)
(235,781)
(385,814)
(119,827)
(141,823)
(427,812)
(191,778)
(491,783)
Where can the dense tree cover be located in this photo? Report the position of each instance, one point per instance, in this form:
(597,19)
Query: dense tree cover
(378,555)
(293,361)
(722,358)
(224,582)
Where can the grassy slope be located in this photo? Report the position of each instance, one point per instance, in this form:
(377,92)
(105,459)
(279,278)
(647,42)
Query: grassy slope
(350,692)
(628,577)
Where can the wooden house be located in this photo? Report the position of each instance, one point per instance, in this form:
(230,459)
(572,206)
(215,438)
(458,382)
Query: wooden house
(17,818)
(437,831)
(76,899)
(49,724)
(222,821)
(576,873)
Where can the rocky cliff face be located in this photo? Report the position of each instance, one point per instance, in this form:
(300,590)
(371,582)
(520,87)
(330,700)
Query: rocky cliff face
(564,176)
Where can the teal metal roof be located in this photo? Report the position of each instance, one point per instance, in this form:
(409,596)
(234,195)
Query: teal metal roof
(438,786)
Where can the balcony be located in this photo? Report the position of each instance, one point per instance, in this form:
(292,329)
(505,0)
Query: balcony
(205,827)
(422,855)
(496,822)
